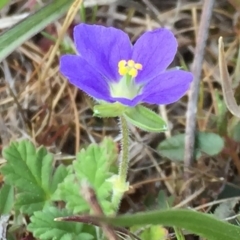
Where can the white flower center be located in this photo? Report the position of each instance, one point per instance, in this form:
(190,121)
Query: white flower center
(126,87)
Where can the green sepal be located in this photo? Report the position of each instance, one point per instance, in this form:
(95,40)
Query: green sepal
(145,119)
(109,109)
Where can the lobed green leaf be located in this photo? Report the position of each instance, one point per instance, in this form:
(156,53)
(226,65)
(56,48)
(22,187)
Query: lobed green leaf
(31,172)
(6,199)
(44,227)
(94,166)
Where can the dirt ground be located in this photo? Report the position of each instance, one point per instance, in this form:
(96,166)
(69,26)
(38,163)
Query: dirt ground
(51,112)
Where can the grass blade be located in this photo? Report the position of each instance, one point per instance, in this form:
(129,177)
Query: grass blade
(201,224)
(226,82)
(21,32)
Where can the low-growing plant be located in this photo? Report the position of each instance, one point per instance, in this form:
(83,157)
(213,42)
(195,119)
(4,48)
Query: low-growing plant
(81,199)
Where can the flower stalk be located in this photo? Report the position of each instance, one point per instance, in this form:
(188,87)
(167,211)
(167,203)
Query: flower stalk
(124,158)
(120,181)
(121,77)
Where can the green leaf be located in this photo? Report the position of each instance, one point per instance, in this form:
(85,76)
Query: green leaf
(154,233)
(109,110)
(3,3)
(92,165)
(6,199)
(31,172)
(111,148)
(226,209)
(173,148)
(145,119)
(234,129)
(164,201)
(209,143)
(204,225)
(44,227)
(21,32)
(58,177)
(221,116)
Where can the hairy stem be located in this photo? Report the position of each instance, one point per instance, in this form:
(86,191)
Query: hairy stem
(121,180)
(123,164)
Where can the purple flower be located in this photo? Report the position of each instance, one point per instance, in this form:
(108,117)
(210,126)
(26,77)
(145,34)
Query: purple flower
(110,69)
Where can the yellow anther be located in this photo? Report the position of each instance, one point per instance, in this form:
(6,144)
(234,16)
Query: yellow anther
(129,67)
(122,63)
(130,63)
(133,72)
(122,70)
(138,66)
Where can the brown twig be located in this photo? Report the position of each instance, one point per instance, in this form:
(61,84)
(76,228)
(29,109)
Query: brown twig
(91,198)
(194,90)
(67,22)
(89,219)
(228,93)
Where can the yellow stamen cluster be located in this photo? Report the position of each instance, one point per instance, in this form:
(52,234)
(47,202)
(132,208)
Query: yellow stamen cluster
(129,67)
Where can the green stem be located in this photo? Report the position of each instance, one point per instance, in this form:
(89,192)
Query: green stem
(123,164)
(120,184)
(178,233)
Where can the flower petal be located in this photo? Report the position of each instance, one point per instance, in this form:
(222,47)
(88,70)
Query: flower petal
(155,50)
(103,48)
(84,76)
(168,87)
(129,102)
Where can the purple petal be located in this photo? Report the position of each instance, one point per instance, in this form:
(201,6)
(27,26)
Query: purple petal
(168,87)
(155,50)
(129,102)
(84,76)
(103,48)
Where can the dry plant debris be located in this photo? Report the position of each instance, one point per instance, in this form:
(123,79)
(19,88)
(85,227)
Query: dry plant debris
(37,102)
